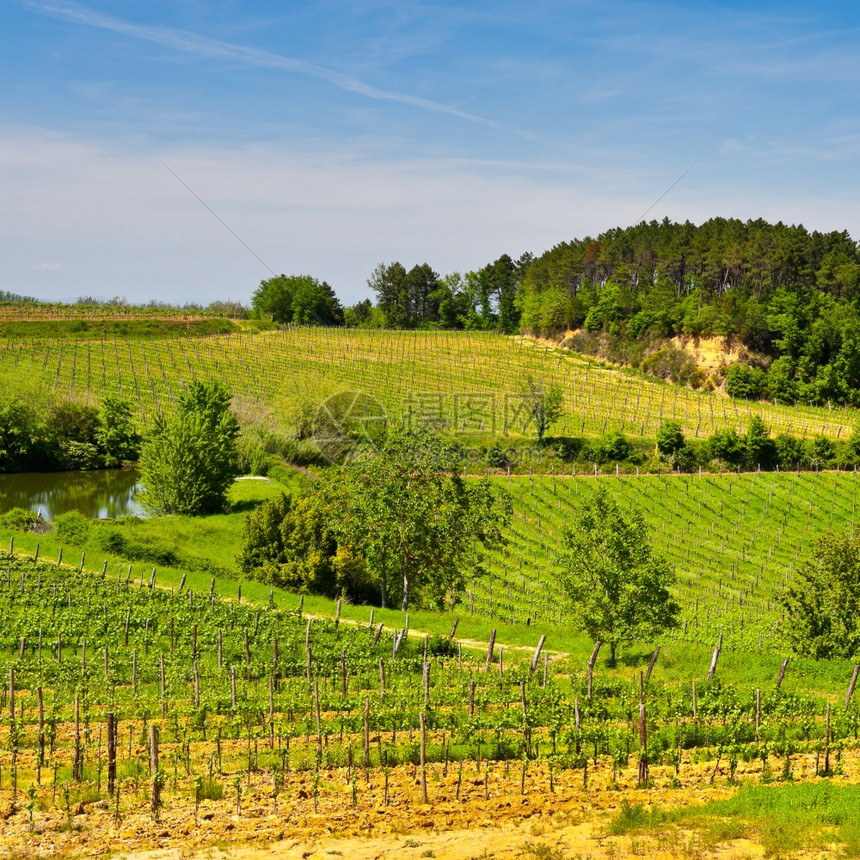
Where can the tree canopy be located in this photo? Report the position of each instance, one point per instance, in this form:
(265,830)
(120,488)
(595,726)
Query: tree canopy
(543,403)
(297,299)
(822,602)
(420,526)
(399,524)
(616,585)
(190,459)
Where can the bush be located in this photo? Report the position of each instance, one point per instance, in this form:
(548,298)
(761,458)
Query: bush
(496,458)
(749,383)
(789,450)
(82,456)
(72,528)
(820,452)
(761,449)
(670,438)
(19,520)
(611,448)
(190,460)
(727,446)
(108,539)
(115,434)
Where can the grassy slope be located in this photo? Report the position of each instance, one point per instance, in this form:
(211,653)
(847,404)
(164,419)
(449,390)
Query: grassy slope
(466,379)
(114,328)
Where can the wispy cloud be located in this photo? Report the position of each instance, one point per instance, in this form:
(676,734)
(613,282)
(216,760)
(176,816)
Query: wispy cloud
(192,43)
(48,267)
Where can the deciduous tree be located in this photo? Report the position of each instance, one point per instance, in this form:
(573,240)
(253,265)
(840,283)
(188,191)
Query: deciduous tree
(822,602)
(617,587)
(420,526)
(189,460)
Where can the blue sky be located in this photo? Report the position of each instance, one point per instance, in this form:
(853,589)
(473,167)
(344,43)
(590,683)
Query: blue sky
(331,136)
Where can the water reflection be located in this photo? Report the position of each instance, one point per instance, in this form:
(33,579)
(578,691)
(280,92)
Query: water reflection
(100,494)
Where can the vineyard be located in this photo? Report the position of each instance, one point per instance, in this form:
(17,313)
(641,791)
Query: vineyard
(465,381)
(145,707)
(733,540)
(125,700)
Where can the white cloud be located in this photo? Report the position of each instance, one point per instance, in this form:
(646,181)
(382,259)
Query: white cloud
(191,43)
(122,224)
(48,267)
(731,145)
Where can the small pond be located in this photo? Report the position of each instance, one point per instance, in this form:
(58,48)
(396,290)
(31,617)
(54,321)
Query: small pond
(100,494)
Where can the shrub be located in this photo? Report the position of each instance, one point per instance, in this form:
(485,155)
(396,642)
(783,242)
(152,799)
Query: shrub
(611,448)
(670,438)
(190,460)
(746,382)
(496,458)
(109,539)
(19,520)
(789,450)
(727,446)
(820,451)
(115,434)
(74,455)
(72,528)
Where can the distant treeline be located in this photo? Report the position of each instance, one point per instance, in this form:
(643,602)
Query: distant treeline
(788,296)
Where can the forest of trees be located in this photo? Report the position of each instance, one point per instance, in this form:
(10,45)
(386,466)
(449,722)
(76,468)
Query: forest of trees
(787,295)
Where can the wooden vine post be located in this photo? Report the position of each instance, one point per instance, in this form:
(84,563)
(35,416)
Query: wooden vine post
(592,660)
(77,763)
(490,648)
(423,755)
(536,657)
(111,752)
(643,747)
(651,663)
(155,779)
(850,691)
(366,734)
(781,675)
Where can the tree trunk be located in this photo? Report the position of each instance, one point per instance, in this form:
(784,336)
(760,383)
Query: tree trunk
(405,605)
(612,646)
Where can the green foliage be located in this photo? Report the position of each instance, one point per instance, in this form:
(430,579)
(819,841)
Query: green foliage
(728,447)
(24,404)
(761,450)
(419,526)
(746,382)
(72,528)
(779,290)
(189,460)
(820,451)
(39,431)
(613,447)
(542,402)
(617,588)
(115,433)
(670,439)
(297,299)
(823,600)
(290,542)
(19,519)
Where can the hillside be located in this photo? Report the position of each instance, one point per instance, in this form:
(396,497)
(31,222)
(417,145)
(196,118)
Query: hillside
(467,382)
